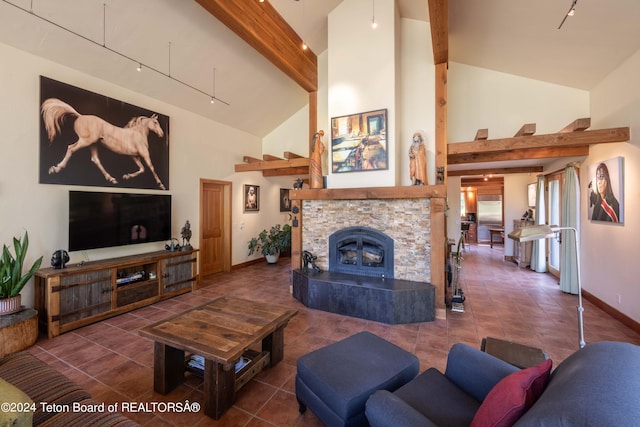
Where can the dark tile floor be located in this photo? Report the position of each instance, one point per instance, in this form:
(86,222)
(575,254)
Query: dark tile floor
(115,364)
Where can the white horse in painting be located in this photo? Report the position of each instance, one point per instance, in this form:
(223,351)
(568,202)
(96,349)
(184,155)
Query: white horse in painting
(130,140)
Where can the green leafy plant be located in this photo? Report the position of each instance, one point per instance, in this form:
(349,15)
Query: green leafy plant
(269,243)
(11,278)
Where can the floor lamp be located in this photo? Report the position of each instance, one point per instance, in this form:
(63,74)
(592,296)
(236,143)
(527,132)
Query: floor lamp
(543,231)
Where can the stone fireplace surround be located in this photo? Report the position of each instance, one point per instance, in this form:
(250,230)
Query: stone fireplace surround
(406,221)
(403,213)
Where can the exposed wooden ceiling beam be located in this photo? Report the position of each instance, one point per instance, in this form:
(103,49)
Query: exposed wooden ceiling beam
(480,182)
(262,27)
(533,146)
(485,185)
(439,22)
(286,172)
(523,154)
(496,171)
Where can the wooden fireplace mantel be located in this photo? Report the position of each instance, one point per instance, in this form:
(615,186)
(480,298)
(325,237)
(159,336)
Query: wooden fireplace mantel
(406,192)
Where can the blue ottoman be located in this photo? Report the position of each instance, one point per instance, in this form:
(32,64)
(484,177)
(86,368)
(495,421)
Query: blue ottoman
(336,381)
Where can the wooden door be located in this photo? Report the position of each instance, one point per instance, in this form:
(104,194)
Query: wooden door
(215,226)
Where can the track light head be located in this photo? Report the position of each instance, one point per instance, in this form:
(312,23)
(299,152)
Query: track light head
(571,12)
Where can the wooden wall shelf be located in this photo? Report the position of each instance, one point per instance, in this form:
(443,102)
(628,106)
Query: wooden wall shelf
(291,164)
(407,192)
(572,140)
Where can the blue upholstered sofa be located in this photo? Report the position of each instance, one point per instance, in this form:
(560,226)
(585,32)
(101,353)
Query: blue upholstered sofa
(598,385)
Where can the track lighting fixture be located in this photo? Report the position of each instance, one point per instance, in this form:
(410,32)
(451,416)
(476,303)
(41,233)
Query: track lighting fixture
(571,12)
(304,44)
(122,55)
(374,24)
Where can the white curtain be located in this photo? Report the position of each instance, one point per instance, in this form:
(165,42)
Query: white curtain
(570,217)
(538,259)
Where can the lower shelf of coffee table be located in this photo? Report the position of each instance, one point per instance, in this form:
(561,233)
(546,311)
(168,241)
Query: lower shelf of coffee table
(258,361)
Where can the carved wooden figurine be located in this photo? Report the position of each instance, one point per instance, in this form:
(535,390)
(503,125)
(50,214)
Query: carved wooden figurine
(418,161)
(315,163)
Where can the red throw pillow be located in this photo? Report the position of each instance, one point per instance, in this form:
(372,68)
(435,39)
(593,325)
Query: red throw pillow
(513,396)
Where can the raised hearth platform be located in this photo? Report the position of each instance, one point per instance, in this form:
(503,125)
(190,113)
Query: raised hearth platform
(387,300)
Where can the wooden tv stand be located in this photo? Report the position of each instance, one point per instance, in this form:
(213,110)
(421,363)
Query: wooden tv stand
(79,295)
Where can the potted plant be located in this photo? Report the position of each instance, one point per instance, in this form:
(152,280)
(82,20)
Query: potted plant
(11,278)
(272,242)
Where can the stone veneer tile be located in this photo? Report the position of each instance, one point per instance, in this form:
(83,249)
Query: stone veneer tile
(406,221)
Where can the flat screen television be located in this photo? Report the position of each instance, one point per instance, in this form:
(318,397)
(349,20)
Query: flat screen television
(101,220)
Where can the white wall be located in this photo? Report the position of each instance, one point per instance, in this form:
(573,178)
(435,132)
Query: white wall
(199,148)
(324,122)
(479,98)
(292,135)
(417,96)
(610,266)
(362,77)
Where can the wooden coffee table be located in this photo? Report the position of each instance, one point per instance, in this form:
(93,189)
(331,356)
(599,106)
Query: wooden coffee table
(221,331)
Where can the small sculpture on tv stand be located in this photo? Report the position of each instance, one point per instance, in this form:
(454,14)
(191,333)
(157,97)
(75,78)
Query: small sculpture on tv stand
(172,245)
(309,258)
(59,259)
(186,235)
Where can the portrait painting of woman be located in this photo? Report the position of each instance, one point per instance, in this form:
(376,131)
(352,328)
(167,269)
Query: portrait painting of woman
(605,191)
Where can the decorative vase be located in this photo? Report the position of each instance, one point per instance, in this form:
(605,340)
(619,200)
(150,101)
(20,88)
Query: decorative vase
(272,259)
(10,305)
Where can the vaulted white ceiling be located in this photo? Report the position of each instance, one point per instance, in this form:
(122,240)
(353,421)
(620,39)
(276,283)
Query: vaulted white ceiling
(180,39)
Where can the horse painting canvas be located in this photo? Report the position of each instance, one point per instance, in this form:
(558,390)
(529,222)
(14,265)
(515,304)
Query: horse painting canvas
(90,139)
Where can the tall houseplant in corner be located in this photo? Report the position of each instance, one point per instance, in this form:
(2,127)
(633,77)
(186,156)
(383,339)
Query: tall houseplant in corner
(271,243)
(11,278)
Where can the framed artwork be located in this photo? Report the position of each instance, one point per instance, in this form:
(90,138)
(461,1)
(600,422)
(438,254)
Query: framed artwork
(359,142)
(605,191)
(118,144)
(251,198)
(285,202)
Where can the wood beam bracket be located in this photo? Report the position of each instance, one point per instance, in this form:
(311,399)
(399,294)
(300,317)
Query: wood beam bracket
(527,129)
(481,135)
(577,125)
